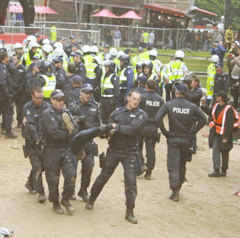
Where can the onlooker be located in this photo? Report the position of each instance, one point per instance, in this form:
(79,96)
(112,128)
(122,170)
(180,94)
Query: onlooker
(117,37)
(218,49)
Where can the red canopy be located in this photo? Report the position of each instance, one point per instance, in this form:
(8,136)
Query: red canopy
(165,9)
(206,12)
(131,15)
(105,13)
(38,9)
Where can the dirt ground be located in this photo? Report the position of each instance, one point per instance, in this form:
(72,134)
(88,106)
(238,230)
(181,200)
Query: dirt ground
(208,208)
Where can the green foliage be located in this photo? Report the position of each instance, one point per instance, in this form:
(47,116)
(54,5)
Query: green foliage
(236,4)
(216,6)
(236,22)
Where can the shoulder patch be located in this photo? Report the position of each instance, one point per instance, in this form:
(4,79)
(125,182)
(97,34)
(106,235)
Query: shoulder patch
(28,112)
(52,119)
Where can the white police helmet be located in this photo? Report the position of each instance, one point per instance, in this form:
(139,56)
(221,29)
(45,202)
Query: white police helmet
(179,54)
(215,59)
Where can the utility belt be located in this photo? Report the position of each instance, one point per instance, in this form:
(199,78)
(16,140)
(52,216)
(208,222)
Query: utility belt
(181,135)
(124,148)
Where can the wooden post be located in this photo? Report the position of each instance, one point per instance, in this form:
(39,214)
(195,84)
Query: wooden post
(80,12)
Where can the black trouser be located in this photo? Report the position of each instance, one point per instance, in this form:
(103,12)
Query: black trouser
(35,177)
(19,107)
(121,98)
(6,108)
(168,89)
(150,143)
(87,168)
(128,160)
(28,11)
(176,160)
(56,160)
(106,108)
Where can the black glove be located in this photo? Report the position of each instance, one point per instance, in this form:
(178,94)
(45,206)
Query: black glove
(105,128)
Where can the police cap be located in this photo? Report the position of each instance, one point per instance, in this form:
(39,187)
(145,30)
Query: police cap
(87,87)
(57,94)
(181,88)
(77,79)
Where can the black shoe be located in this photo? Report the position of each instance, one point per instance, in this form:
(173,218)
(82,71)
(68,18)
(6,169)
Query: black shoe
(57,208)
(130,216)
(90,204)
(41,197)
(215,174)
(84,195)
(223,173)
(3,131)
(30,188)
(144,168)
(73,197)
(175,195)
(67,205)
(10,135)
(147,176)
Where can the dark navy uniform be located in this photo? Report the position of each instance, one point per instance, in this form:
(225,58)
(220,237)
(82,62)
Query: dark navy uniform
(220,83)
(57,155)
(30,82)
(31,131)
(18,83)
(6,97)
(81,70)
(73,96)
(151,102)
(61,77)
(89,116)
(122,148)
(181,114)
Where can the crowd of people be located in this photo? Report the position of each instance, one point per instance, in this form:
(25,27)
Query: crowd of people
(64,92)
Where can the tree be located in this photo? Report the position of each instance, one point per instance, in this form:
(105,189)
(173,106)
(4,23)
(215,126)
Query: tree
(236,19)
(216,6)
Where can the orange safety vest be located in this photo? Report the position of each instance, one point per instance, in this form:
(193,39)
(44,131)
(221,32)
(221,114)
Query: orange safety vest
(219,122)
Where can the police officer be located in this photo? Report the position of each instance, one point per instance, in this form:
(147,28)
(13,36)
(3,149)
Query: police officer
(109,85)
(6,96)
(46,79)
(92,69)
(151,102)
(61,75)
(18,82)
(28,56)
(68,49)
(225,118)
(126,78)
(141,81)
(30,81)
(73,95)
(174,70)
(127,125)
(87,115)
(80,68)
(181,114)
(31,131)
(211,71)
(71,71)
(57,155)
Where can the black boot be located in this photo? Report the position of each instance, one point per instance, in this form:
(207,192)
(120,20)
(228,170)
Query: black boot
(175,195)
(215,174)
(223,173)
(29,187)
(65,202)
(90,203)
(148,174)
(83,194)
(10,135)
(57,208)
(130,216)
(41,197)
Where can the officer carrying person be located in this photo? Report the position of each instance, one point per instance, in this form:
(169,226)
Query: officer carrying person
(151,102)
(31,131)
(56,130)
(127,123)
(86,113)
(181,114)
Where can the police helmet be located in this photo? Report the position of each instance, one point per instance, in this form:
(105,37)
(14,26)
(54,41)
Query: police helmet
(58,45)
(32,38)
(46,68)
(86,49)
(58,52)
(46,41)
(125,59)
(215,59)
(18,46)
(94,49)
(139,65)
(153,53)
(179,54)
(47,48)
(33,44)
(111,64)
(119,53)
(148,63)
(113,52)
(107,56)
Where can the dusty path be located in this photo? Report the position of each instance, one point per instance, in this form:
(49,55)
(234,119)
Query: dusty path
(206,209)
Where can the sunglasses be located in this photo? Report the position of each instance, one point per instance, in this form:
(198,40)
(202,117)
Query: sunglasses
(88,93)
(60,100)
